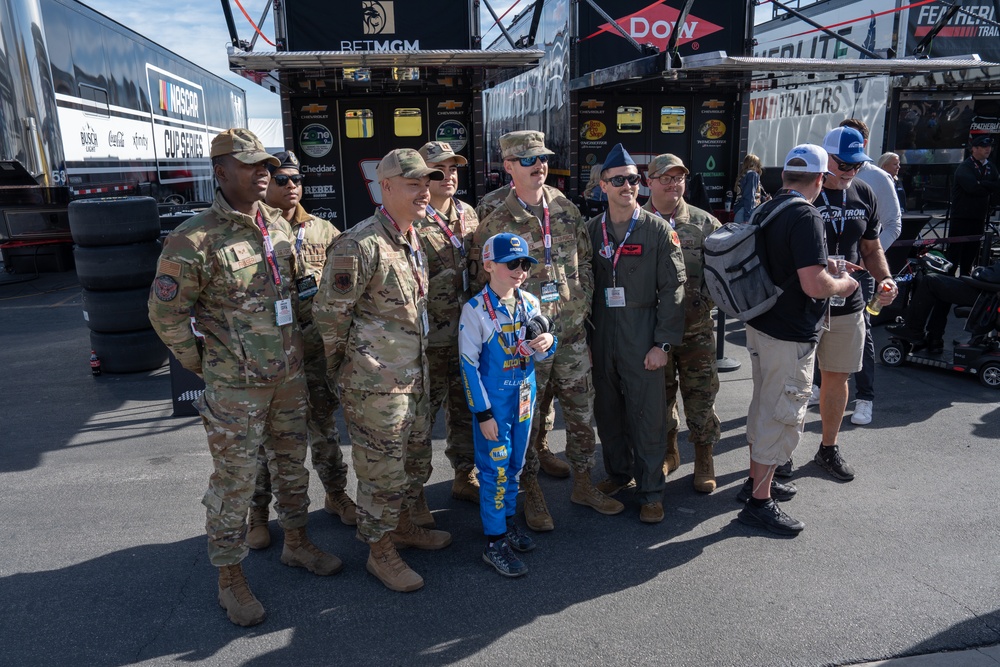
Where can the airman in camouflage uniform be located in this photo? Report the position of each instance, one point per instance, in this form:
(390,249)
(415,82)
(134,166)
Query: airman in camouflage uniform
(564,284)
(692,364)
(638,317)
(446,236)
(233,268)
(313,236)
(492,200)
(371,310)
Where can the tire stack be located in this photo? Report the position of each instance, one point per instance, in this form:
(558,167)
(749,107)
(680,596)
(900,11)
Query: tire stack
(117,247)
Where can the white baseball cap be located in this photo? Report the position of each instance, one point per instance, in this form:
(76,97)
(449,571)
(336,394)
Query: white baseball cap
(816,159)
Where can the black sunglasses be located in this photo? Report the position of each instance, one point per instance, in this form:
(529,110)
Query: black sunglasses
(530,161)
(524,263)
(618,181)
(282,179)
(848,166)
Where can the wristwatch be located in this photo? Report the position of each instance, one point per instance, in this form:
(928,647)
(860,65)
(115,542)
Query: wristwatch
(663,346)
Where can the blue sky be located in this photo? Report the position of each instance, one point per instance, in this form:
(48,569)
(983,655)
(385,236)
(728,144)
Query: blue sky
(196,30)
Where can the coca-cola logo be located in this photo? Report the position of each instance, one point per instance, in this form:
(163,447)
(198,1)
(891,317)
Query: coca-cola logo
(116,139)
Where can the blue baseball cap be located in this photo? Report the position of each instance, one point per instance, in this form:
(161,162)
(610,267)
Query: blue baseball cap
(505,247)
(847,144)
(981,140)
(618,157)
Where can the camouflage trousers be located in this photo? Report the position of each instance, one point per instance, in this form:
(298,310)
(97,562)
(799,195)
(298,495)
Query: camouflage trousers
(324,436)
(447,390)
(692,367)
(391,448)
(566,376)
(238,420)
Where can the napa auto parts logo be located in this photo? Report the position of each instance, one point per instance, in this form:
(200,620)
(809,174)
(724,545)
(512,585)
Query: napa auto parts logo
(654,24)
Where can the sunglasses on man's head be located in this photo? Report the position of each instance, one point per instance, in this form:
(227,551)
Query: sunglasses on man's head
(282,179)
(618,181)
(848,166)
(525,264)
(530,161)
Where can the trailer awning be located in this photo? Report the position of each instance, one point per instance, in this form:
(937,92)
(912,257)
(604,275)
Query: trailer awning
(269,61)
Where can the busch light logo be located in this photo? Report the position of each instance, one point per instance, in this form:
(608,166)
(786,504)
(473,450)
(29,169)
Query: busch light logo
(378,17)
(88,139)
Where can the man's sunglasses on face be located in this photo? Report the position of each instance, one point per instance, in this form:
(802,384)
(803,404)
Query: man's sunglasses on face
(848,166)
(525,264)
(530,161)
(618,181)
(282,179)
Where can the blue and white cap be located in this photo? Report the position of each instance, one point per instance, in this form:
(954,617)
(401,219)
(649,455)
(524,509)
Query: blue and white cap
(815,158)
(505,247)
(847,144)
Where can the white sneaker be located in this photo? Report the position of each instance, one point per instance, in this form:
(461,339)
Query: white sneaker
(814,399)
(862,412)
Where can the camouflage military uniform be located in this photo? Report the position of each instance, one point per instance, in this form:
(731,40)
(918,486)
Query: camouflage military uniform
(450,282)
(491,201)
(370,310)
(215,266)
(630,399)
(324,436)
(569,369)
(693,361)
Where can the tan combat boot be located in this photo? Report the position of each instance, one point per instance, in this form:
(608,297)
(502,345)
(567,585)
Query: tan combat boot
(258,537)
(340,503)
(536,513)
(300,552)
(550,464)
(420,512)
(672,459)
(465,486)
(408,534)
(236,598)
(585,493)
(384,562)
(704,469)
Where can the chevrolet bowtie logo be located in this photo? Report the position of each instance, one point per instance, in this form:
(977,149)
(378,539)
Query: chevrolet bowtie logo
(450,105)
(314,108)
(713,104)
(592,104)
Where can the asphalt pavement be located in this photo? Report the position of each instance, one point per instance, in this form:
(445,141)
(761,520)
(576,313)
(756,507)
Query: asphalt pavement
(103,554)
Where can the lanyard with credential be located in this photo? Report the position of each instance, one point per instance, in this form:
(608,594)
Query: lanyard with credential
(299,238)
(546,229)
(457,242)
(415,262)
(606,250)
(843,217)
(660,215)
(510,346)
(272,259)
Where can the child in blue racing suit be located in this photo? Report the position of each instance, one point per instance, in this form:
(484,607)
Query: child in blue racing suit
(497,358)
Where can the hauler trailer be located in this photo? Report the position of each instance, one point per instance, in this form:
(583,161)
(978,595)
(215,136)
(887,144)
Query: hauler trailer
(360,77)
(90,108)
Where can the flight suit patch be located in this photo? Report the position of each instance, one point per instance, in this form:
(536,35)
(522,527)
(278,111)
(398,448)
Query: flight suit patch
(632,249)
(165,288)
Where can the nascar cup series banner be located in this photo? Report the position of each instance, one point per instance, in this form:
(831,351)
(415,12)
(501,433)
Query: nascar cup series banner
(648,22)
(378,25)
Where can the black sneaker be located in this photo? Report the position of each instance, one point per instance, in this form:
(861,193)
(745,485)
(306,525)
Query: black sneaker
(770,517)
(785,469)
(518,539)
(830,460)
(503,559)
(779,491)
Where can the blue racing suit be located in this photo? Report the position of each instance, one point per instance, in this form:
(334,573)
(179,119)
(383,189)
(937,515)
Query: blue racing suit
(501,379)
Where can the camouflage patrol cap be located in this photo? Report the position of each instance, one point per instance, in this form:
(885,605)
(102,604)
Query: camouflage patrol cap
(434,152)
(660,164)
(407,163)
(287,159)
(243,145)
(523,143)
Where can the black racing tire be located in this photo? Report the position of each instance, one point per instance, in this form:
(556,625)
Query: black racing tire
(989,374)
(892,355)
(113,221)
(117,267)
(130,351)
(116,310)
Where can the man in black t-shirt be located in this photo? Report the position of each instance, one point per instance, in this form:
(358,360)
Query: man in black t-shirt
(850,214)
(782,341)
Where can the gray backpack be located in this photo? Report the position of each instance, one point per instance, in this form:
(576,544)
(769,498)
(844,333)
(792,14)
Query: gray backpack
(735,271)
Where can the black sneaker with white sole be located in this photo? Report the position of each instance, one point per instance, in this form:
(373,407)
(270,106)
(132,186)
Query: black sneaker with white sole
(518,539)
(770,517)
(502,558)
(785,469)
(830,460)
(779,491)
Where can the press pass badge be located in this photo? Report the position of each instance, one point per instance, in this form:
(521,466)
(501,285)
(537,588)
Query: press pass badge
(283,312)
(426,322)
(306,287)
(614,297)
(465,279)
(550,291)
(524,402)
